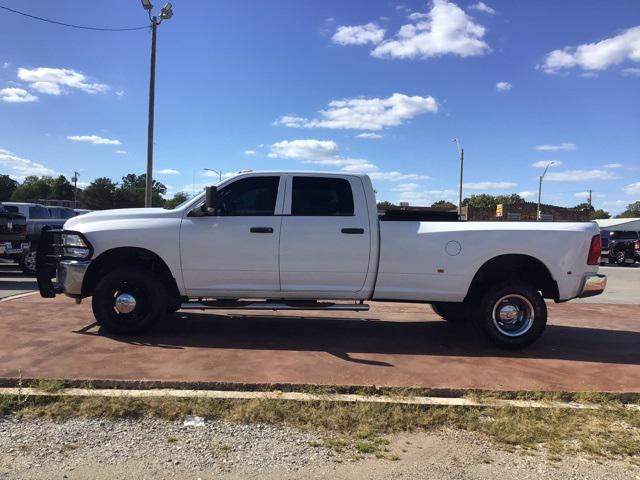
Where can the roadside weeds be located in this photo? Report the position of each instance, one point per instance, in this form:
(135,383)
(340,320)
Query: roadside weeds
(360,427)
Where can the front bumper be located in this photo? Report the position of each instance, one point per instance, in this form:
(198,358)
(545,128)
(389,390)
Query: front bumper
(14,248)
(593,284)
(70,275)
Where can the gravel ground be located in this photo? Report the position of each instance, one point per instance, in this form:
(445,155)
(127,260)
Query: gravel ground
(152,448)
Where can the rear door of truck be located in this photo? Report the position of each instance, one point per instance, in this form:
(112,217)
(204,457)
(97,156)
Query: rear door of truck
(326,236)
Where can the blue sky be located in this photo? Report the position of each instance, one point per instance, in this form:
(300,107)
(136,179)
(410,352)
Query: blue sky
(373,86)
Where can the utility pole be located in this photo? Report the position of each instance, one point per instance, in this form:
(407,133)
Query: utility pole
(75,189)
(589,199)
(461,153)
(219,172)
(165,14)
(540,189)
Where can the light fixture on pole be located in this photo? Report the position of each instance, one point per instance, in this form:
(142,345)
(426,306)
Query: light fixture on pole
(461,154)
(165,14)
(540,188)
(219,172)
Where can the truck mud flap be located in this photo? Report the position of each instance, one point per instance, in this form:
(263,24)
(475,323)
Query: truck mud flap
(47,257)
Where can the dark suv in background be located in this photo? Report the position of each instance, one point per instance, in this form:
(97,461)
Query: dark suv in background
(623,247)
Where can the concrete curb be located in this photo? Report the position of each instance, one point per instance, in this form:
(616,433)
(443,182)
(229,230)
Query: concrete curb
(302,397)
(18,295)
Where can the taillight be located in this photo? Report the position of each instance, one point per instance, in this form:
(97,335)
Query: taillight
(594,251)
(636,245)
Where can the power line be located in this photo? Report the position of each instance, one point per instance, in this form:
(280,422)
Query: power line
(82,27)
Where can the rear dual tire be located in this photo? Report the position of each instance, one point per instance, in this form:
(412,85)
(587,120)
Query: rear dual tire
(511,315)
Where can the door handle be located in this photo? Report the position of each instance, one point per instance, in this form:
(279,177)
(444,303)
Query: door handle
(261,230)
(352,231)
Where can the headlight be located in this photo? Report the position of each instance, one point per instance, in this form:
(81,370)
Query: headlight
(74,246)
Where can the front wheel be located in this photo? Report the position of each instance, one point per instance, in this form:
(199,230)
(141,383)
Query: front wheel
(129,302)
(511,315)
(27,262)
(621,258)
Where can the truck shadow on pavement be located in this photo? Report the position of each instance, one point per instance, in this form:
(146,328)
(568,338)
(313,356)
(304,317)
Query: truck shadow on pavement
(346,337)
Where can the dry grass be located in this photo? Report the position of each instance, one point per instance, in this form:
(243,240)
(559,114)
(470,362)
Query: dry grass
(614,431)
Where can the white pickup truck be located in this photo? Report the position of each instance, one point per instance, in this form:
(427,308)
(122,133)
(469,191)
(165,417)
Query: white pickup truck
(315,241)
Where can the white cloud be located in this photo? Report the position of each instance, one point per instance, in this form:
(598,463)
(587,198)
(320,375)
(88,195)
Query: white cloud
(503,86)
(121,152)
(585,195)
(613,165)
(369,135)
(545,163)
(225,175)
(555,148)
(95,139)
(488,185)
(482,7)
(632,189)
(308,149)
(630,72)
(56,81)
(21,167)
(250,153)
(446,29)
(527,194)
(326,153)
(358,34)
(580,175)
(16,95)
(168,171)
(366,113)
(596,56)
(416,194)
(120,93)
(5,65)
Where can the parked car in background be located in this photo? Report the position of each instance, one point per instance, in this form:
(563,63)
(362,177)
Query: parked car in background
(81,211)
(13,235)
(623,247)
(302,241)
(39,219)
(61,212)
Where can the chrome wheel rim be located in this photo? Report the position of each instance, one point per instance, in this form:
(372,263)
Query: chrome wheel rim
(513,315)
(620,257)
(30,261)
(125,303)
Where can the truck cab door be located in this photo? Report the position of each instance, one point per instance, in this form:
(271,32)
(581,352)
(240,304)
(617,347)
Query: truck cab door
(234,252)
(326,237)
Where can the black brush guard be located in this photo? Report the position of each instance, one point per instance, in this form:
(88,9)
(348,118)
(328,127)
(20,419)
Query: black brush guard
(47,259)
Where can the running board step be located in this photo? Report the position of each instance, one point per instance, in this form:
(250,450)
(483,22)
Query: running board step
(293,305)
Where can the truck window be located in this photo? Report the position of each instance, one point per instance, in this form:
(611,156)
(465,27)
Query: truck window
(316,196)
(255,196)
(11,208)
(39,212)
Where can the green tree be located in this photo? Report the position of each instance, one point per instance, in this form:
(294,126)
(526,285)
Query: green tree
(99,195)
(485,200)
(599,214)
(7,187)
(177,199)
(443,204)
(632,211)
(33,188)
(131,192)
(385,204)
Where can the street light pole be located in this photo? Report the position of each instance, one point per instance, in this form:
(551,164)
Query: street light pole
(219,172)
(540,188)
(461,153)
(148,193)
(75,189)
(165,14)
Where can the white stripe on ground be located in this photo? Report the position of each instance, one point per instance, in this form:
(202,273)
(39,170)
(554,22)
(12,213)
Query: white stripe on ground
(301,397)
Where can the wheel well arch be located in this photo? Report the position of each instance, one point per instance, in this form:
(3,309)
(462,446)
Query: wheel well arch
(136,257)
(519,267)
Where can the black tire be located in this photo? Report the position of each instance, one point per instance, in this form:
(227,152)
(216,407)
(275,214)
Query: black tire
(27,262)
(621,258)
(150,297)
(174,304)
(451,311)
(512,298)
